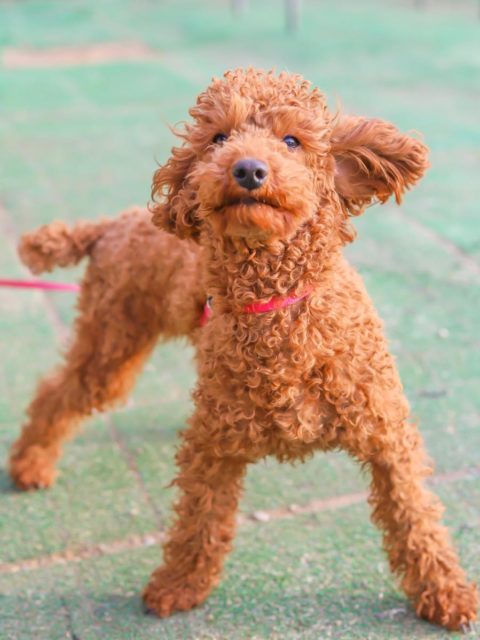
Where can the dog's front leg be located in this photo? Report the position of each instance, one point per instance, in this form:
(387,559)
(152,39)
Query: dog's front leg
(418,545)
(201,535)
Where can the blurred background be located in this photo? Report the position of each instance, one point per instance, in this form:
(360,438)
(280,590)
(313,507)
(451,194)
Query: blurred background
(87,91)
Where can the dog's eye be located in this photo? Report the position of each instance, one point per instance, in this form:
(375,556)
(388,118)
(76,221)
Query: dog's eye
(291,142)
(219,138)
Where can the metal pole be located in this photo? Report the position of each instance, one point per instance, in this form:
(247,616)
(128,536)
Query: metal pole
(238,6)
(293,9)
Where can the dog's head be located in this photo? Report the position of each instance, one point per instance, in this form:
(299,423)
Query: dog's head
(264,156)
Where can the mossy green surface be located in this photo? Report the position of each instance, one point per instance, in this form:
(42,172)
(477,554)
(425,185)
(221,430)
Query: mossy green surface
(83,141)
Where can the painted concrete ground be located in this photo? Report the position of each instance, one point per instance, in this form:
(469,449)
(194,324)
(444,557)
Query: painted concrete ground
(79,138)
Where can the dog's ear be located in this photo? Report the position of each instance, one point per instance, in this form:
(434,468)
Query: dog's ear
(374,161)
(173,202)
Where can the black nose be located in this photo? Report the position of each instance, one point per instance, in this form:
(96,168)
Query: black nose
(250,173)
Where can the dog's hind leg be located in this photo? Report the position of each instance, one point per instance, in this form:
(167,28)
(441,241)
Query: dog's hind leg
(140,285)
(112,338)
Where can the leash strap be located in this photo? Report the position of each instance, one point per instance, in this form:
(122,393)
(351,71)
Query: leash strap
(38,284)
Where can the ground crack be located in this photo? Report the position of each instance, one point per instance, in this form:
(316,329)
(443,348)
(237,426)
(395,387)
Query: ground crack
(132,465)
(69,620)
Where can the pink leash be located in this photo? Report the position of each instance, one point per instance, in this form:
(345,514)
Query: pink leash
(275,303)
(39,284)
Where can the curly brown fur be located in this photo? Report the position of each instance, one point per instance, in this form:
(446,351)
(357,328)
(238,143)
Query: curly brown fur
(316,375)
(55,244)
(141,285)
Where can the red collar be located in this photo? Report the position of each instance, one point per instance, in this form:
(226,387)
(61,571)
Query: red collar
(275,303)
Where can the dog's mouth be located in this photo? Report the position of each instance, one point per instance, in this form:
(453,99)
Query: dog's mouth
(247,201)
(256,219)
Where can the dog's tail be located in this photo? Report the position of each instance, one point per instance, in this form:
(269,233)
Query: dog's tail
(56,244)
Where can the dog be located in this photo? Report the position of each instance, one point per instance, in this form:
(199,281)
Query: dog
(251,211)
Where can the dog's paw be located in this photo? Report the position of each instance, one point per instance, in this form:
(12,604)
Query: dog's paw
(163,599)
(454,606)
(33,468)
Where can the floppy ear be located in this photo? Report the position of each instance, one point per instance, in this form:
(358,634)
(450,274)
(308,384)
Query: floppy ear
(374,160)
(175,212)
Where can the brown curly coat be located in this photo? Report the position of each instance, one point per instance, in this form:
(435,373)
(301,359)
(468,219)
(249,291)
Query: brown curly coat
(315,375)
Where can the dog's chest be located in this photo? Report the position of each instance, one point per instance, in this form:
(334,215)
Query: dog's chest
(271,377)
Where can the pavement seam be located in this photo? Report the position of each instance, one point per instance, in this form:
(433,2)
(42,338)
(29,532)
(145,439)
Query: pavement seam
(77,56)
(70,556)
(138,541)
(132,466)
(69,619)
(467,261)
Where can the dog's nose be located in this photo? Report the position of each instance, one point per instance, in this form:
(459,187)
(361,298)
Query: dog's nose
(250,173)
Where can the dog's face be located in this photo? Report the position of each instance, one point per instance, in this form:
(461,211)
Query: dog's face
(264,156)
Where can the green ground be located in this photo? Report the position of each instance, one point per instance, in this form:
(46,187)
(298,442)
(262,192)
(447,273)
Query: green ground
(81,141)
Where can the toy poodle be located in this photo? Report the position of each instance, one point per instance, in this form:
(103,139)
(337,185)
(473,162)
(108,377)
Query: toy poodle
(244,258)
